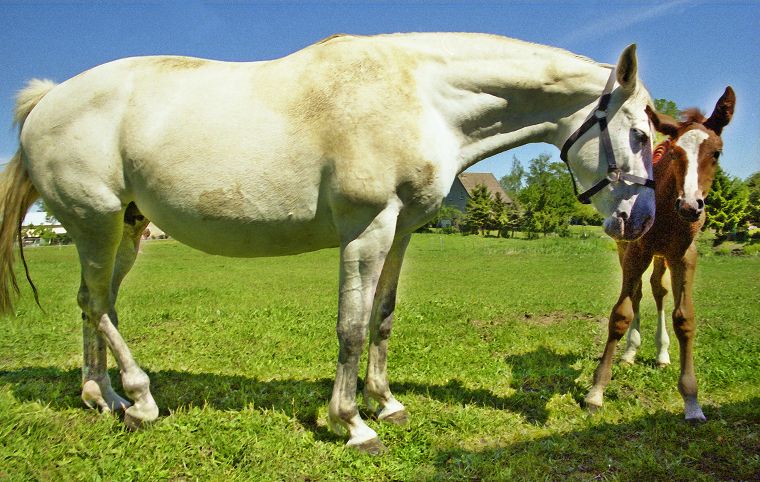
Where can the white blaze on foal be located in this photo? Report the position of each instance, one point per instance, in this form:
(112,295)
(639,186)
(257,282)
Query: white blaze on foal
(351,142)
(690,143)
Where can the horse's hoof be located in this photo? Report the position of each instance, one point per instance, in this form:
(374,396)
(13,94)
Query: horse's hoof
(663,364)
(372,446)
(626,362)
(400,417)
(134,422)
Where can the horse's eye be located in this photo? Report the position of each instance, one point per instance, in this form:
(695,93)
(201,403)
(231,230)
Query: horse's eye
(640,135)
(717,155)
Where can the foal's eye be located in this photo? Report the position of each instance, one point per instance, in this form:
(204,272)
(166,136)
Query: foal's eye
(717,154)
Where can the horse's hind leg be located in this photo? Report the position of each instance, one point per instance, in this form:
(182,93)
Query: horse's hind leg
(682,281)
(376,388)
(659,291)
(96,384)
(98,247)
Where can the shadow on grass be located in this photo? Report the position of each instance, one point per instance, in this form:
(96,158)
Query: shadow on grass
(536,376)
(658,446)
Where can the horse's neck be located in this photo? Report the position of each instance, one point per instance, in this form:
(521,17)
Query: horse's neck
(499,93)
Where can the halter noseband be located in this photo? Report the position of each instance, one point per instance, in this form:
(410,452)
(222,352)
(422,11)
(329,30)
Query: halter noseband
(614,174)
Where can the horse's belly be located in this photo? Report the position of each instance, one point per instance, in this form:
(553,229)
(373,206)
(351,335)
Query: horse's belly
(239,237)
(236,211)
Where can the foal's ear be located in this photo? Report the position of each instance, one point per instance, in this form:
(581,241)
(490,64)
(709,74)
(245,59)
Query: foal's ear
(627,68)
(664,124)
(723,112)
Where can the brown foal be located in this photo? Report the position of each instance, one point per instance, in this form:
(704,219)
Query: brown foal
(684,171)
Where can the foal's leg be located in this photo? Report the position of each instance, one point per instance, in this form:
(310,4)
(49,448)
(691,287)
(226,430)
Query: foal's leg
(635,263)
(96,384)
(633,340)
(682,279)
(362,256)
(634,335)
(661,339)
(98,249)
(376,387)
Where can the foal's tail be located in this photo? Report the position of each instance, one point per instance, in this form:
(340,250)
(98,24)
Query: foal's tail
(17,194)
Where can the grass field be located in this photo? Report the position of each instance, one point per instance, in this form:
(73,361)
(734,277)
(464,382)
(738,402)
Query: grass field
(494,346)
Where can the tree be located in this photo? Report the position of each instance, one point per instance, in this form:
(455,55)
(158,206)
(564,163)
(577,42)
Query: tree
(665,106)
(510,220)
(478,213)
(753,208)
(512,183)
(586,215)
(726,206)
(547,196)
(498,206)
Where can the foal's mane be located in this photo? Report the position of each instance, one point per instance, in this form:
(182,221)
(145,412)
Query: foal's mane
(693,115)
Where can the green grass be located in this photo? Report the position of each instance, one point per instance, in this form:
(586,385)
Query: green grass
(494,347)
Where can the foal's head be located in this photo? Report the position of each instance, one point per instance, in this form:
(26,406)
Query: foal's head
(694,148)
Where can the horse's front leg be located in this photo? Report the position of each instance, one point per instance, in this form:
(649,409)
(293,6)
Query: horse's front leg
(682,280)
(376,387)
(362,257)
(634,263)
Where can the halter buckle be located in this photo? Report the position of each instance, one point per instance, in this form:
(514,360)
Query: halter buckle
(600,114)
(614,175)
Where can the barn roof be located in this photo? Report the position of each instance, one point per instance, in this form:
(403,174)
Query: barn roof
(471,179)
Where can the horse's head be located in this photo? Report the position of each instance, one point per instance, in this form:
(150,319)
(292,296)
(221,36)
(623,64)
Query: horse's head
(695,147)
(622,155)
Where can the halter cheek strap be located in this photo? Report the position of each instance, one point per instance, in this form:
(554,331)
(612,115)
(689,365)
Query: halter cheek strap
(614,174)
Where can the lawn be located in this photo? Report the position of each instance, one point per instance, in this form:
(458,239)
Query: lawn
(494,347)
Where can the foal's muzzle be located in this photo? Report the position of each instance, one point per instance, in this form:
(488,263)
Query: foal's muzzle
(690,211)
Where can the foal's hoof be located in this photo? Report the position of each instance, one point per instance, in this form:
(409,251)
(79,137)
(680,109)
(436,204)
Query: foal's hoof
(372,446)
(400,417)
(593,402)
(663,364)
(694,415)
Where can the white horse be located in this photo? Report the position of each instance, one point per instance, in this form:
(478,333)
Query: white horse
(351,142)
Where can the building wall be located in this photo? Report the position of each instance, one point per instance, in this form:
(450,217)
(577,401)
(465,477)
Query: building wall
(457,196)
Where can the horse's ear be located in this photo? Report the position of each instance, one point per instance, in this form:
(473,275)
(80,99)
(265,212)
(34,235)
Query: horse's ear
(723,112)
(664,124)
(627,69)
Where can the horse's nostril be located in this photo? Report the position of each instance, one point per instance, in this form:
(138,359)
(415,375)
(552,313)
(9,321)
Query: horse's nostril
(678,204)
(700,204)
(623,215)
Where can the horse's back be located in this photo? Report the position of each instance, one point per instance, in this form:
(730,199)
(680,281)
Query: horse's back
(261,152)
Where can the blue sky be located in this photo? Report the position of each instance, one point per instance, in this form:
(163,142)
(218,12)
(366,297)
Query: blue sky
(688,50)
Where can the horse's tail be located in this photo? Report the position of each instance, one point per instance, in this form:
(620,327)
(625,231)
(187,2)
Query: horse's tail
(17,194)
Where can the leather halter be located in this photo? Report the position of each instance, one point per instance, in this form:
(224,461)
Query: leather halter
(614,174)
